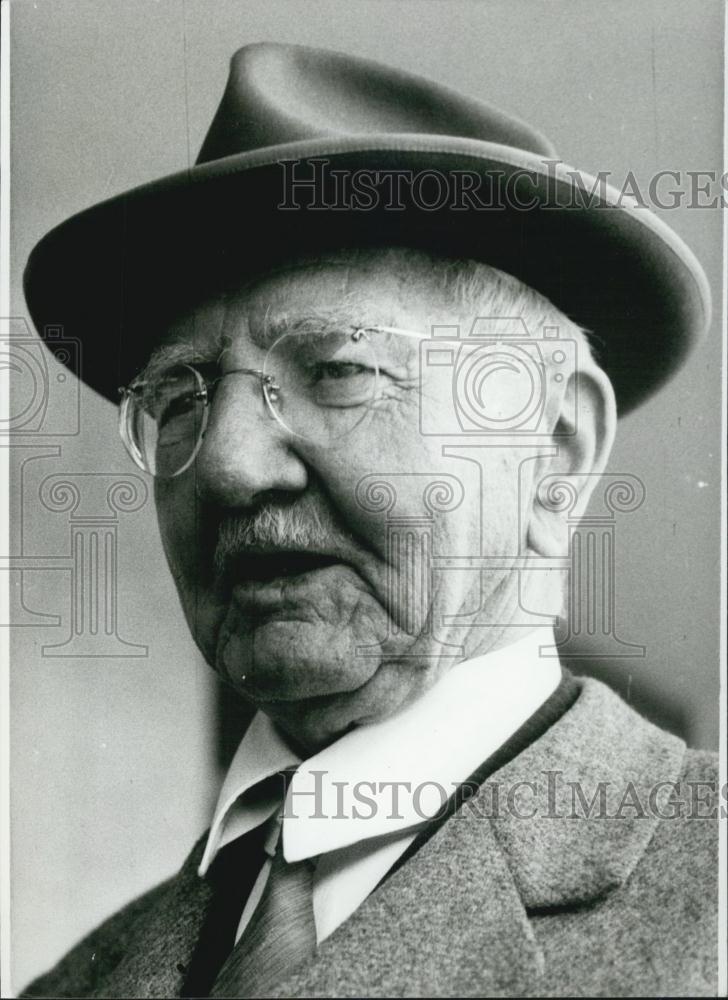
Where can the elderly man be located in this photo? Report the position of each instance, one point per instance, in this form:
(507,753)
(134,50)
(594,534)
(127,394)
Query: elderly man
(353,349)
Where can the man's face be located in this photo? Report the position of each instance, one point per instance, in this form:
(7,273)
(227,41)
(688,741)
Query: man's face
(297,586)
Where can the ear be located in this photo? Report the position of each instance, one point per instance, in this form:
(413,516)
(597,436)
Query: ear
(584,420)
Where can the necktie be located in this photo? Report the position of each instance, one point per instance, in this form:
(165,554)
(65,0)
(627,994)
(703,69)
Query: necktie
(281,933)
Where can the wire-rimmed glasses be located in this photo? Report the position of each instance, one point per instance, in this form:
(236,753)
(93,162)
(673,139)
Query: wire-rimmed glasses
(318,386)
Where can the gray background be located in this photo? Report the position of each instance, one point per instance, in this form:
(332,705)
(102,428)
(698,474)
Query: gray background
(115,763)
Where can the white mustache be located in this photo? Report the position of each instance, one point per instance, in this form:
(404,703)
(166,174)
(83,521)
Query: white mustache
(306,525)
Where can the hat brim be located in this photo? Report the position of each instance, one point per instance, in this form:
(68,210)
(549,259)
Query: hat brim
(114,274)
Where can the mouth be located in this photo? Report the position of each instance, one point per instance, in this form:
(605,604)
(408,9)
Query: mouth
(264,567)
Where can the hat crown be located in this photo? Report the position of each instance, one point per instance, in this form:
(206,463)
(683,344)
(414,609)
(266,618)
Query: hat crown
(280,93)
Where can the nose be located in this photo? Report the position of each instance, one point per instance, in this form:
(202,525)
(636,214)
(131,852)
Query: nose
(245,452)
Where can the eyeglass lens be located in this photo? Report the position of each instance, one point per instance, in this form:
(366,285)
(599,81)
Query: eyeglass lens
(319,388)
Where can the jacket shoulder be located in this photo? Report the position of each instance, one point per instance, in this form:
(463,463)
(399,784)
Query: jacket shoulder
(702,798)
(80,971)
(688,822)
(700,765)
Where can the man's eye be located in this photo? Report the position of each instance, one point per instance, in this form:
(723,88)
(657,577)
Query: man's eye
(340,370)
(175,407)
(339,383)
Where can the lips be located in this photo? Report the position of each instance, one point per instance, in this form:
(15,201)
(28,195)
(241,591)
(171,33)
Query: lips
(264,567)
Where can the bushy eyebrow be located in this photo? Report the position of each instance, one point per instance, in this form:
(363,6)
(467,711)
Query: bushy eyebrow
(266,331)
(166,356)
(263,333)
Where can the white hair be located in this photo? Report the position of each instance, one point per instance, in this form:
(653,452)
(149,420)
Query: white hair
(473,289)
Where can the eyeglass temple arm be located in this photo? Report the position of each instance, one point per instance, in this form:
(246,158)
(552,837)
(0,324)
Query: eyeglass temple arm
(413,334)
(263,377)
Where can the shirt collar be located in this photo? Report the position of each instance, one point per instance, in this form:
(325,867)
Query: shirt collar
(262,754)
(347,792)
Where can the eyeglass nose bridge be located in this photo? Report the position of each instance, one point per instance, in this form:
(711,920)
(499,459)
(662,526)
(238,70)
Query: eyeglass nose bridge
(268,383)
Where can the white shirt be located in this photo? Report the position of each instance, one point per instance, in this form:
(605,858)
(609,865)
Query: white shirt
(342,807)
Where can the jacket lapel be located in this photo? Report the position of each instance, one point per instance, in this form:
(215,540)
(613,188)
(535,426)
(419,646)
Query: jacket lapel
(432,929)
(579,806)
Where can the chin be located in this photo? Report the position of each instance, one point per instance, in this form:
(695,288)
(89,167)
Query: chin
(311,724)
(283,660)
(308,732)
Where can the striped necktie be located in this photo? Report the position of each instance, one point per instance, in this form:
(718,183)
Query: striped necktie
(280,935)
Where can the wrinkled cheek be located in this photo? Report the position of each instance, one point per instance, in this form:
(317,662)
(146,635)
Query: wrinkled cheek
(178,519)
(189,552)
(380,475)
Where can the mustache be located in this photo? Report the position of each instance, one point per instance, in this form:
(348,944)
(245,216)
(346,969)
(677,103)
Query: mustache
(306,525)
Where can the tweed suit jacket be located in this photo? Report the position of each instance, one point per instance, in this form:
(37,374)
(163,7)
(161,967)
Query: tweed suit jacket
(585,866)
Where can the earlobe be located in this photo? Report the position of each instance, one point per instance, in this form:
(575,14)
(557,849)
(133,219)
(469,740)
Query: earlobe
(563,482)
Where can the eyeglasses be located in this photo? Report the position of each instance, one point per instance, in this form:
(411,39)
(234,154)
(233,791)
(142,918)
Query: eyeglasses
(318,386)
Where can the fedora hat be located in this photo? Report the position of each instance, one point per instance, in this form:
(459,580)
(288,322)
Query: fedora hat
(313,149)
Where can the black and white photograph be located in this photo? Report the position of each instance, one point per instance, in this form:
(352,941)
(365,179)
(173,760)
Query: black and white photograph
(363,498)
